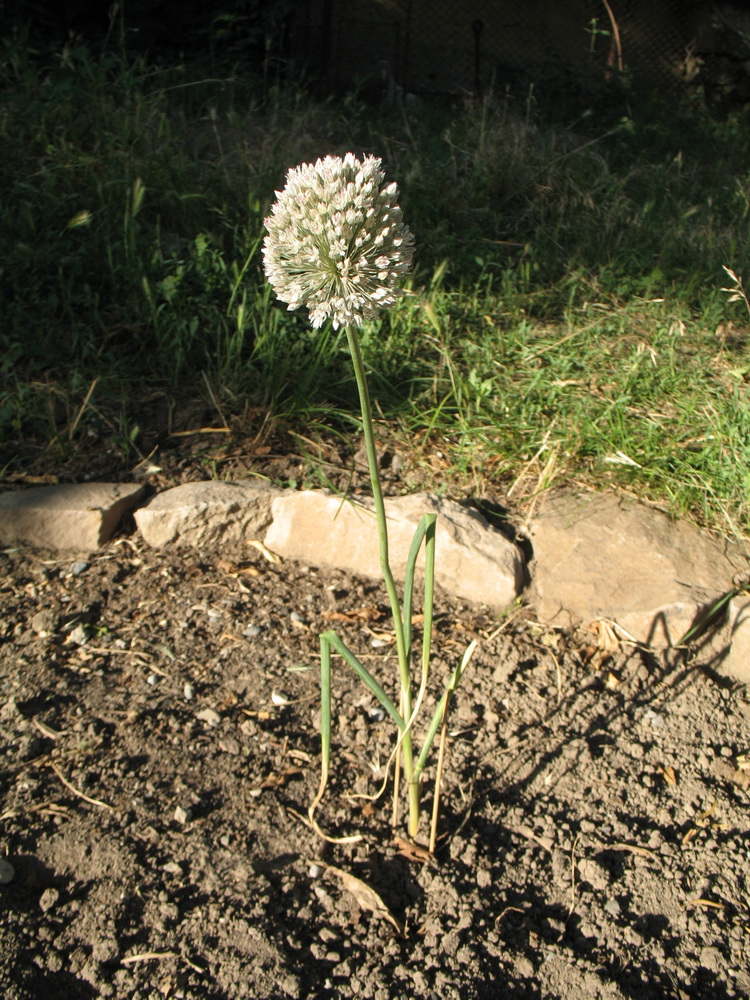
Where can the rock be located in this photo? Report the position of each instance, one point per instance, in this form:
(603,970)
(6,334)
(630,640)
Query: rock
(43,622)
(206,514)
(79,635)
(727,649)
(7,872)
(603,556)
(49,899)
(182,815)
(523,967)
(209,716)
(473,560)
(77,517)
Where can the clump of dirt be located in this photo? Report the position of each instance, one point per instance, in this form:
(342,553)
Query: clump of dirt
(159,742)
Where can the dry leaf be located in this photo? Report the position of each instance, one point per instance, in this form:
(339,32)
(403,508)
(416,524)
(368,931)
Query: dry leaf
(367,898)
(669,775)
(704,817)
(607,643)
(266,553)
(412,851)
(277,780)
(364,614)
(235,570)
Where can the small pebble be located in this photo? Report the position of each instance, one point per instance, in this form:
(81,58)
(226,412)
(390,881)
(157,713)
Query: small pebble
(656,720)
(188,692)
(315,871)
(152,679)
(726,752)
(613,908)
(295,616)
(209,716)
(182,815)
(279,698)
(48,899)
(79,635)
(7,872)
(376,714)
(78,567)
(252,630)
(524,968)
(42,623)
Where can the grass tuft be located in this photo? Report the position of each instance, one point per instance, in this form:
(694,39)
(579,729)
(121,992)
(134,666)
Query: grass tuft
(565,320)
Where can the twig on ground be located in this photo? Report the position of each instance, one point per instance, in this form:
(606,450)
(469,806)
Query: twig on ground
(147,956)
(76,791)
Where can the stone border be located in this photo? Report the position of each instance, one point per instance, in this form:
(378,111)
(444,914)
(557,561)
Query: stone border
(596,556)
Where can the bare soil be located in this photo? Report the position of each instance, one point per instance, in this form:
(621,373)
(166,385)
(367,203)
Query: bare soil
(159,748)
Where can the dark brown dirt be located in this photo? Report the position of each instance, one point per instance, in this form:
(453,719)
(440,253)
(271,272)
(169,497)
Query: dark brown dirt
(595,834)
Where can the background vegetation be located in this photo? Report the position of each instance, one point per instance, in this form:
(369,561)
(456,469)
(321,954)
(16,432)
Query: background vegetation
(566,318)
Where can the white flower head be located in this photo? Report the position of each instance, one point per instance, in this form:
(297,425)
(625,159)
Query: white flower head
(336,242)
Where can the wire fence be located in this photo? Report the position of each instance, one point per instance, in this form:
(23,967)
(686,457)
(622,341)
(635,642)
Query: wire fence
(464,47)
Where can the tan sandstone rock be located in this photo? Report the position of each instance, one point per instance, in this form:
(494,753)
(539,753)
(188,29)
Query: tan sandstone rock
(727,649)
(599,555)
(77,517)
(473,560)
(206,514)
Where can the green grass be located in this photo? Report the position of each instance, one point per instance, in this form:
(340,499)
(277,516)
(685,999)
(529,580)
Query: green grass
(565,321)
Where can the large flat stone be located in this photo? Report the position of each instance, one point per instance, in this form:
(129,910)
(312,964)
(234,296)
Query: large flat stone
(76,517)
(206,514)
(603,556)
(473,560)
(726,649)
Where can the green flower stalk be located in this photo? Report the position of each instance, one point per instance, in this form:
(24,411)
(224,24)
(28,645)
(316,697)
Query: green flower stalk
(337,244)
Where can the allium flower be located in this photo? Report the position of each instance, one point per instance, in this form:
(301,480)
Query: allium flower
(336,242)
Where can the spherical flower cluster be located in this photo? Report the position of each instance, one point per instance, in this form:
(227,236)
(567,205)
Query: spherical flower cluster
(336,242)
